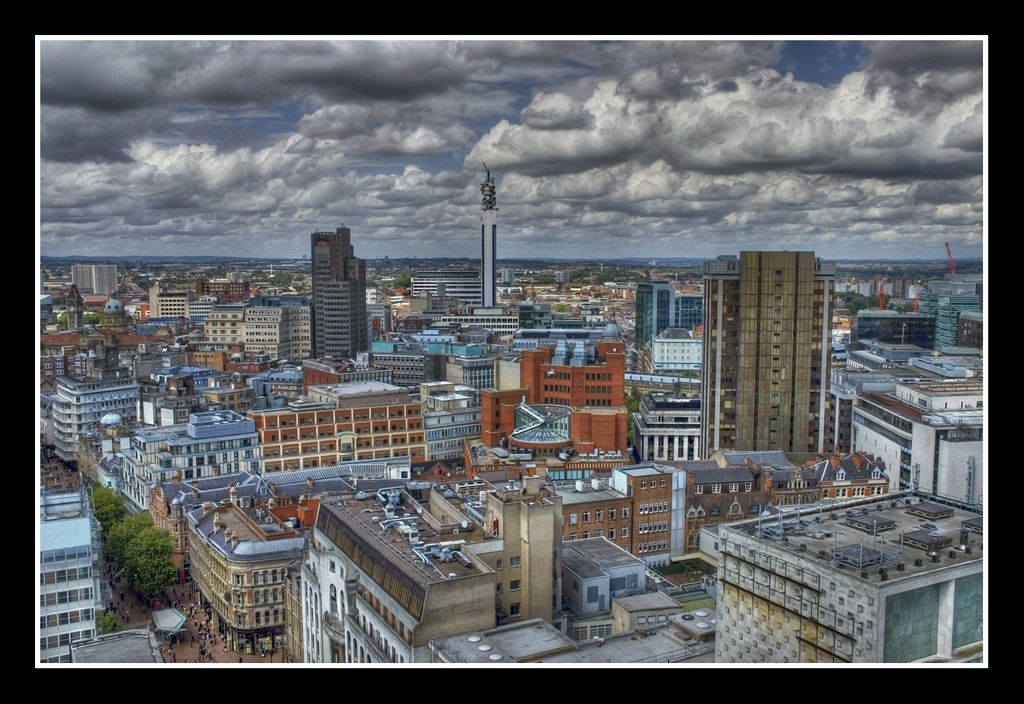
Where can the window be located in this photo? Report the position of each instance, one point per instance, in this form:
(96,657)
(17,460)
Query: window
(625,532)
(598,533)
(586,534)
(748,486)
(599,515)
(662,483)
(643,485)
(497,564)
(572,519)
(514,561)
(515,585)
(572,536)
(332,567)
(592,595)
(611,534)
(586,516)
(716,488)
(513,609)
(625,511)
(699,489)
(611,514)
(734,486)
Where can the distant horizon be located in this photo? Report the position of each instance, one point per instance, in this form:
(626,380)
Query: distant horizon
(507,259)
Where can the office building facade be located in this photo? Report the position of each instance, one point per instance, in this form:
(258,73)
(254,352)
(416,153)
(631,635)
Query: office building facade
(766,355)
(339,323)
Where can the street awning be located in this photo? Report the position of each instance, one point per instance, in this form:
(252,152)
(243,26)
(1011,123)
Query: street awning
(169,621)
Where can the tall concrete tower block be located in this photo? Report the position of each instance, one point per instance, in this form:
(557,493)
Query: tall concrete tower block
(488,240)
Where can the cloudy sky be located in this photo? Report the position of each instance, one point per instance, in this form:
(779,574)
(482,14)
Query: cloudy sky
(856,149)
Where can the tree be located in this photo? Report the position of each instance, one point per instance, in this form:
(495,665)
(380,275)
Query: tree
(148,565)
(402,281)
(106,622)
(92,318)
(632,406)
(108,507)
(120,537)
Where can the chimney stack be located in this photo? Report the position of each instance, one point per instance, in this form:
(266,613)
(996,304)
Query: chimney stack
(531,485)
(309,482)
(233,493)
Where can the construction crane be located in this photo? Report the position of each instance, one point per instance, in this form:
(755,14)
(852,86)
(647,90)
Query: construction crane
(952,264)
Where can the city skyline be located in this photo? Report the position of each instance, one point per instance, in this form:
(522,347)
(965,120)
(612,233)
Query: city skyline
(687,149)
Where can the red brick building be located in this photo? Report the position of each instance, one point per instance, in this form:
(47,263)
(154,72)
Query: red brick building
(323,436)
(600,384)
(594,392)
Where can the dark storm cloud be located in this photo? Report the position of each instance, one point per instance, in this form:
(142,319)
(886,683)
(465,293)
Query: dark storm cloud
(249,146)
(72,134)
(114,76)
(909,59)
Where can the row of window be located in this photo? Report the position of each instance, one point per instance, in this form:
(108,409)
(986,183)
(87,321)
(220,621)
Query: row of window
(598,515)
(61,576)
(64,639)
(653,483)
(855,491)
(263,577)
(585,632)
(655,546)
(600,534)
(65,617)
(652,527)
(66,597)
(717,488)
(654,508)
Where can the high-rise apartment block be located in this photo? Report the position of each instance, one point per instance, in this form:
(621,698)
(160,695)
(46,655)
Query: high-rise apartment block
(766,357)
(94,278)
(655,310)
(339,296)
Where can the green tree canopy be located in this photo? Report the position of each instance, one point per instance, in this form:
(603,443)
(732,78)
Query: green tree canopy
(633,399)
(148,564)
(402,281)
(108,507)
(106,622)
(120,536)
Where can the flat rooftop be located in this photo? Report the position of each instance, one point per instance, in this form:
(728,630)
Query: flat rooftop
(538,641)
(358,516)
(646,470)
(851,535)
(63,533)
(570,496)
(646,601)
(590,557)
(134,646)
